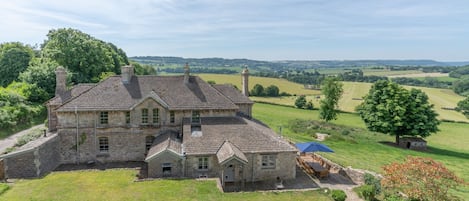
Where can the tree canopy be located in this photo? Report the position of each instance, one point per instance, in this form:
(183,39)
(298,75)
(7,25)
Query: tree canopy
(332,90)
(14,59)
(389,108)
(85,56)
(463,107)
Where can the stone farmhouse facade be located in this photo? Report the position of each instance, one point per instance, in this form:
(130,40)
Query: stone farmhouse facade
(181,126)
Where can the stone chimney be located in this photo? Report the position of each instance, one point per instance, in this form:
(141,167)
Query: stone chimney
(126,73)
(186,73)
(60,81)
(245,77)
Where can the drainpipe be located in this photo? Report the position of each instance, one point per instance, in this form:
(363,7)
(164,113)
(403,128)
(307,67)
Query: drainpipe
(94,131)
(77,122)
(253,161)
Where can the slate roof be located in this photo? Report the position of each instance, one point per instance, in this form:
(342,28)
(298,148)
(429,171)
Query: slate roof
(165,142)
(112,94)
(229,151)
(247,135)
(71,93)
(232,93)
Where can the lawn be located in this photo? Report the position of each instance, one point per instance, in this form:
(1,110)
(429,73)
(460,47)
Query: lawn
(118,184)
(363,149)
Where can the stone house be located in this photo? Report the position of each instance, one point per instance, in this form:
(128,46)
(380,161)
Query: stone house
(181,126)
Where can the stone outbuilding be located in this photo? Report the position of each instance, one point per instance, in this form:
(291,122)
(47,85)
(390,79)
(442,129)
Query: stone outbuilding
(414,143)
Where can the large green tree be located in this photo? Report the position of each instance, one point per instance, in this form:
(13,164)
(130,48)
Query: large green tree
(389,108)
(463,107)
(328,107)
(42,73)
(14,59)
(85,56)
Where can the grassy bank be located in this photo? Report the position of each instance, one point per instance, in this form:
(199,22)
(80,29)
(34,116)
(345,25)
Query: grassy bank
(362,149)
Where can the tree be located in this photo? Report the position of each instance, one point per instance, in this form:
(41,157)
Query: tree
(14,59)
(332,90)
(300,102)
(257,90)
(83,55)
(390,109)
(42,73)
(463,107)
(420,179)
(272,91)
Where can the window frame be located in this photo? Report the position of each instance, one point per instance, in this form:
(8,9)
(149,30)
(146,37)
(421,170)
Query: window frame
(202,163)
(172,117)
(195,118)
(156,115)
(103,144)
(268,161)
(144,116)
(104,117)
(148,143)
(127,117)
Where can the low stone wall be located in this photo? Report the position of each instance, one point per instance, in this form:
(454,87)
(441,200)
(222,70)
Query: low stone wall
(355,175)
(34,159)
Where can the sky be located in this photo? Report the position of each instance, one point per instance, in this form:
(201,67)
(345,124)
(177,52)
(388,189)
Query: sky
(254,29)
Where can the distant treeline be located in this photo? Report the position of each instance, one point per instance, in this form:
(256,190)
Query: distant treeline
(200,70)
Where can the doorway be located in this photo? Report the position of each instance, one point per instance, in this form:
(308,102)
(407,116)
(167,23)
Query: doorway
(229,173)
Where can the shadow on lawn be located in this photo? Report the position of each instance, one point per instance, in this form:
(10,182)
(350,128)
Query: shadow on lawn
(432,150)
(445,152)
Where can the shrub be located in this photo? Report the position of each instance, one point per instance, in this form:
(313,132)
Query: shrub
(374,182)
(366,192)
(34,134)
(300,102)
(338,195)
(309,105)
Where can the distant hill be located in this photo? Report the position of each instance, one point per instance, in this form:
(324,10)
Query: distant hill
(295,64)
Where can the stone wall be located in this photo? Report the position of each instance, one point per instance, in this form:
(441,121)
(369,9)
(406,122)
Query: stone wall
(155,166)
(36,159)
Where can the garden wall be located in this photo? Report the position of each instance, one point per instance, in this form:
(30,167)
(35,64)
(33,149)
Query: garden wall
(34,159)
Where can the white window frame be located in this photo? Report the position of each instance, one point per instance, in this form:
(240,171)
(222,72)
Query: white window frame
(104,117)
(268,161)
(202,163)
(103,144)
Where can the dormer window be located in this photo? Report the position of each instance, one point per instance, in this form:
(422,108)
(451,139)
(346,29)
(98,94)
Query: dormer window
(144,116)
(195,117)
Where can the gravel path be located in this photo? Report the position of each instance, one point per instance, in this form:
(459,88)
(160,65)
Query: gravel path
(11,140)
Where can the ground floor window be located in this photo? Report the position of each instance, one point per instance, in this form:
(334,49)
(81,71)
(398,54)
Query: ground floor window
(268,161)
(203,163)
(166,169)
(149,142)
(104,144)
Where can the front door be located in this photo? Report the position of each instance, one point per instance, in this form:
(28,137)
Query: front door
(229,173)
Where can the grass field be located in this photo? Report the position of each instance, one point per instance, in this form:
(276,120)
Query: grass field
(363,149)
(353,92)
(118,184)
(282,84)
(384,72)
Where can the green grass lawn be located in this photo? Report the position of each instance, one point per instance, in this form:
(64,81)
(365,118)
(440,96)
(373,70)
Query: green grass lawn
(363,150)
(118,184)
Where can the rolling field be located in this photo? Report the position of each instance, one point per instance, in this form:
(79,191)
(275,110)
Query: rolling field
(363,150)
(282,84)
(353,92)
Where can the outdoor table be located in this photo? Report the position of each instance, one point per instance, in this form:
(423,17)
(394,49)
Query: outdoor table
(320,171)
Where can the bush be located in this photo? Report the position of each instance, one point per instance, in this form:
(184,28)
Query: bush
(300,102)
(34,134)
(374,182)
(366,192)
(338,195)
(309,105)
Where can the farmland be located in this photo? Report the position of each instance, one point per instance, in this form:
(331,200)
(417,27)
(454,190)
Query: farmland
(353,92)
